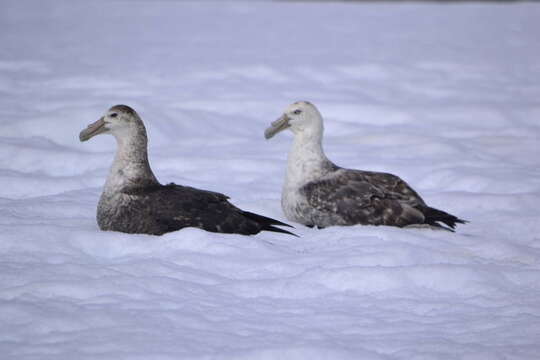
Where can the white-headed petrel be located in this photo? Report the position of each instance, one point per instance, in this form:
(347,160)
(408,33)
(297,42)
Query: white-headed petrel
(319,193)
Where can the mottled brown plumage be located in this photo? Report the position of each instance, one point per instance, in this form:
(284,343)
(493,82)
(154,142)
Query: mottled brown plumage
(370,198)
(319,193)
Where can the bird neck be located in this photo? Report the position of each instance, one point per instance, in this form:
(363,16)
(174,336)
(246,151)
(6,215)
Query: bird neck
(130,169)
(306,160)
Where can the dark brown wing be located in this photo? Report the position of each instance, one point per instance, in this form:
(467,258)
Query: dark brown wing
(172,207)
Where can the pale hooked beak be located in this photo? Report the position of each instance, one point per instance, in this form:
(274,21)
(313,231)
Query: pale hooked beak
(93,129)
(280,124)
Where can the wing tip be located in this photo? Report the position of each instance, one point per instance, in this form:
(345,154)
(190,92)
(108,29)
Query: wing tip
(436,216)
(278,230)
(268,224)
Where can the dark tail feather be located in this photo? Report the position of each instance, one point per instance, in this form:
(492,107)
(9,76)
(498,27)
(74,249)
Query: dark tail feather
(432,216)
(264,219)
(276,229)
(267,223)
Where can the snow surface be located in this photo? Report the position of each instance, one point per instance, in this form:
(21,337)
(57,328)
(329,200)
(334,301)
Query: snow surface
(446,96)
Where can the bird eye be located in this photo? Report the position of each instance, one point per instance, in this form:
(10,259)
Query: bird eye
(113,115)
(297,111)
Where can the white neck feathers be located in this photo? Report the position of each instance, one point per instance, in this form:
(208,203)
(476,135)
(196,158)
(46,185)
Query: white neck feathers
(130,168)
(306,160)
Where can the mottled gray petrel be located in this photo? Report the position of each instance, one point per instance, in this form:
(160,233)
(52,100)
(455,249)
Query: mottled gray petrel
(133,201)
(319,193)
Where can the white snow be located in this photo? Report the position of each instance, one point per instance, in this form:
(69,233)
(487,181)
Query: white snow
(445,96)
